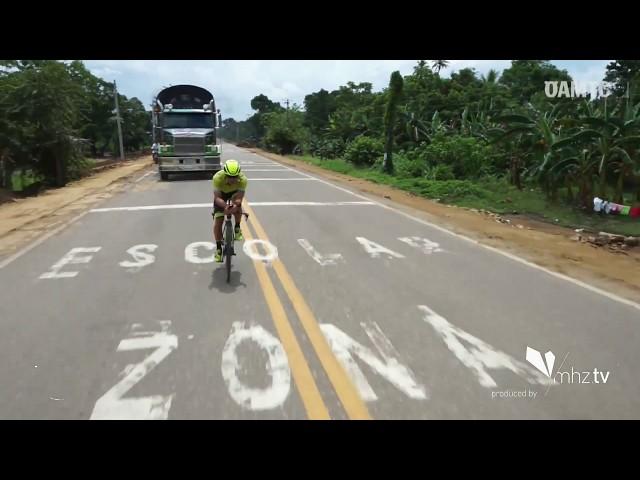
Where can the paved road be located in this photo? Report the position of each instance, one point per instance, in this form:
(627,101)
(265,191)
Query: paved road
(339,307)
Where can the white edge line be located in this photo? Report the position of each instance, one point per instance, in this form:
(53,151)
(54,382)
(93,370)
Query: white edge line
(144,176)
(289,179)
(303,204)
(580,283)
(40,240)
(152,207)
(209,205)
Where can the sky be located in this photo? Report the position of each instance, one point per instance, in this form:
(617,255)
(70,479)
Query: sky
(234,83)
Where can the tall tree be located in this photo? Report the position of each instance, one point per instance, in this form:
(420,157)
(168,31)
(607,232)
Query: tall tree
(318,107)
(39,101)
(623,74)
(394,94)
(262,105)
(525,78)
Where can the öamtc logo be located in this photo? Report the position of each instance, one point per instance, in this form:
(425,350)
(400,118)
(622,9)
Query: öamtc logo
(534,357)
(556,89)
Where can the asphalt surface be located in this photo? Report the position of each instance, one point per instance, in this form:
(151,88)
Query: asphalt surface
(344,308)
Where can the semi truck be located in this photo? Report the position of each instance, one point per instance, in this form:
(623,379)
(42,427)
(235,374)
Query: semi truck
(185,119)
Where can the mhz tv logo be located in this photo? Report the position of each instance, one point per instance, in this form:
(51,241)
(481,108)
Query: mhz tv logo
(545,365)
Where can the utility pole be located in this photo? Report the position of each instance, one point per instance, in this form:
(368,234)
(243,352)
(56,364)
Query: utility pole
(117,112)
(287,112)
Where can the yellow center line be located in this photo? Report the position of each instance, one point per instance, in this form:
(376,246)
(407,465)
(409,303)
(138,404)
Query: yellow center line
(345,389)
(305,383)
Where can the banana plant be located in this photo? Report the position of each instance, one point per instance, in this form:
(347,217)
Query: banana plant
(615,132)
(421,130)
(437,125)
(414,128)
(578,169)
(477,125)
(539,132)
(340,125)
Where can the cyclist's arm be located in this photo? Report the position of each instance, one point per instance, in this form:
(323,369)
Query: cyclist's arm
(218,200)
(238,197)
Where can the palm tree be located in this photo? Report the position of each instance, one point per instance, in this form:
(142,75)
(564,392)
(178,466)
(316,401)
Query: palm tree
(491,77)
(438,65)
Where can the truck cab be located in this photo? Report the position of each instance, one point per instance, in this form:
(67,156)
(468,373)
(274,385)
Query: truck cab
(184,127)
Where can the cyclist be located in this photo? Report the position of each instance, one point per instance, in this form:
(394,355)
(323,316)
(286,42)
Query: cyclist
(228,183)
(154,152)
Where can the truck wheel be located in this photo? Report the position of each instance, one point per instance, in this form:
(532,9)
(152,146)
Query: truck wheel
(164,176)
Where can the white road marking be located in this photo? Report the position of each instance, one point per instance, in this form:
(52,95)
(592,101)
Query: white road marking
(277,368)
(281,179)
(375,249)
(427,246)
(481,356)
(251,165)
(249,248)
(153,207)
(389,367)
(191,252)
(141,257)
(306,204)
(70,259)
(111,406)
(210,205)
(144,176)
(263,169)
(604,293)
(324,260)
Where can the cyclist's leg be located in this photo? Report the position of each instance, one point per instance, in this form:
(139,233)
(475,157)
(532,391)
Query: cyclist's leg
(218,220)
(217,234)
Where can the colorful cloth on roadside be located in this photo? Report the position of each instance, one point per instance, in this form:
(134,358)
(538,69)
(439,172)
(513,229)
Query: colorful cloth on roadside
(611,208)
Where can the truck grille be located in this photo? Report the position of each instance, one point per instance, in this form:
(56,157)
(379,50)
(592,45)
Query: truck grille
(188,146)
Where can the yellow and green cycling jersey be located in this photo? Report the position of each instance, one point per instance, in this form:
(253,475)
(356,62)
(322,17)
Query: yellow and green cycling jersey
(221,184)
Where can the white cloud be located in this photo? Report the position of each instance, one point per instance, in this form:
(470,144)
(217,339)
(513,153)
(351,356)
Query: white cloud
(235,82)
(106,72)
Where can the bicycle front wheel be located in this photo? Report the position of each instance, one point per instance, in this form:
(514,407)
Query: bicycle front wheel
(228,240)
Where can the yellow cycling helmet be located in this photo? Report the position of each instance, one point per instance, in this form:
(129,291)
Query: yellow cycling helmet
(232,168)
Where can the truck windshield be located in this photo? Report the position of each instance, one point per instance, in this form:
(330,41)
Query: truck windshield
(188,120)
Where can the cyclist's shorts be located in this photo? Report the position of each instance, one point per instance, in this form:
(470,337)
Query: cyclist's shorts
(219,212)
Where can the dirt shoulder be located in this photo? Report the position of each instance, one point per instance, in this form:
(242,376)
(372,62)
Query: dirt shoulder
(22,220)
(546,245)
